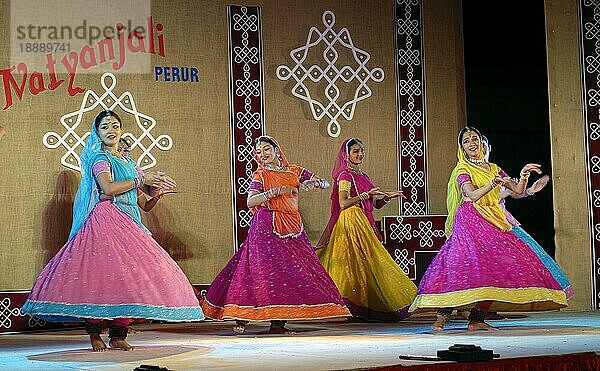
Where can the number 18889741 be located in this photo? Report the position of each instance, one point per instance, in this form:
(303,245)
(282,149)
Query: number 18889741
(44,47)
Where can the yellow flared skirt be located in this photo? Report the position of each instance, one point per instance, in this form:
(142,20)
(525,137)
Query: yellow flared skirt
(372,284)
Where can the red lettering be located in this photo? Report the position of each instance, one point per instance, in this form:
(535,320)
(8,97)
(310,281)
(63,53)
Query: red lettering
(10,83)
(72,69)
(33,88)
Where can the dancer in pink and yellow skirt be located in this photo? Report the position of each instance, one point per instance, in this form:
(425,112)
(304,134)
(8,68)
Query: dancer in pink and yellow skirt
(371,283)
(483,266)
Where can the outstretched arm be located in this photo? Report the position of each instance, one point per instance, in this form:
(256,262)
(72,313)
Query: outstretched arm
(347,201)
(110,187)
(315,182)
(388,195)
(256,198)
(473,194)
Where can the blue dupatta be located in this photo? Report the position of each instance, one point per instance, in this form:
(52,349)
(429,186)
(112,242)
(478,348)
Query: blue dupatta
(88,192)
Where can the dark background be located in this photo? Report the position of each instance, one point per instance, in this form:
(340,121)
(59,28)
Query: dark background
(507,97)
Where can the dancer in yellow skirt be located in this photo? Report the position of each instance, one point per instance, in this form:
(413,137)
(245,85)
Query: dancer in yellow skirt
(373,286)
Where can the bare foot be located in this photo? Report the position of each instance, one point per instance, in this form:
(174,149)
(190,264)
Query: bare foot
(120,344)
(281,330)
(480,326)
(239,328)
(98,344)
(438,325)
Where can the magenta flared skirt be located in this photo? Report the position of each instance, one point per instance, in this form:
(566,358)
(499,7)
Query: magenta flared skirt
(479,262)
(273,278)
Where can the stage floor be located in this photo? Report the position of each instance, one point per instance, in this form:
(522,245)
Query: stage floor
(330,345)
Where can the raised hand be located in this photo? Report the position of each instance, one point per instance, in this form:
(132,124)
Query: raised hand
(309,184)
(158,179)
(375,192)
(503,181)
(531,167)
(539,184)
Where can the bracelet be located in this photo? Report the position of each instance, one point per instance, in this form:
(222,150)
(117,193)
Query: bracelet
(136,183)
(364,196)
(386,199)
(528,192)
(525,175)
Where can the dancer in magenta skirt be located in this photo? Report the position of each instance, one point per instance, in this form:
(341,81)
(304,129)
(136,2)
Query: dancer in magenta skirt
(483,266)
(276,275)
(111,269)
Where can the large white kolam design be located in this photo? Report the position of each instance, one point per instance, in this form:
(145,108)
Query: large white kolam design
(339,75)
(73,142)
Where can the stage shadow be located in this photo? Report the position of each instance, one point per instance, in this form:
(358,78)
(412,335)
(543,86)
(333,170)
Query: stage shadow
(58,214)
(139,353)
(157,221)
(219,328)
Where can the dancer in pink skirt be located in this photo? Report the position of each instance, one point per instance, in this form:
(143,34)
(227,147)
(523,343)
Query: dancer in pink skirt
(111,269)
(276,274)
(483,266)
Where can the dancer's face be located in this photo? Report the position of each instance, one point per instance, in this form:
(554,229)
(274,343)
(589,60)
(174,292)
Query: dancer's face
(266,154)
(470,143)
(356,154)
(109,131)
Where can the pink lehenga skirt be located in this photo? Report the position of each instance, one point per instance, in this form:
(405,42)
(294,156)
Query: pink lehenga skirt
(112,269)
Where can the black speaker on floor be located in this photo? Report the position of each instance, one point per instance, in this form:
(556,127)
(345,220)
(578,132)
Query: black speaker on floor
(466,353)
(150,368)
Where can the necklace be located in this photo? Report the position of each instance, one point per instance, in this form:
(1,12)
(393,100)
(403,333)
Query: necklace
(475,161)
(358,171)
(276,168)
(115,154)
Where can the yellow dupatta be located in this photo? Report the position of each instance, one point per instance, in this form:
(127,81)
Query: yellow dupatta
(488,206)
